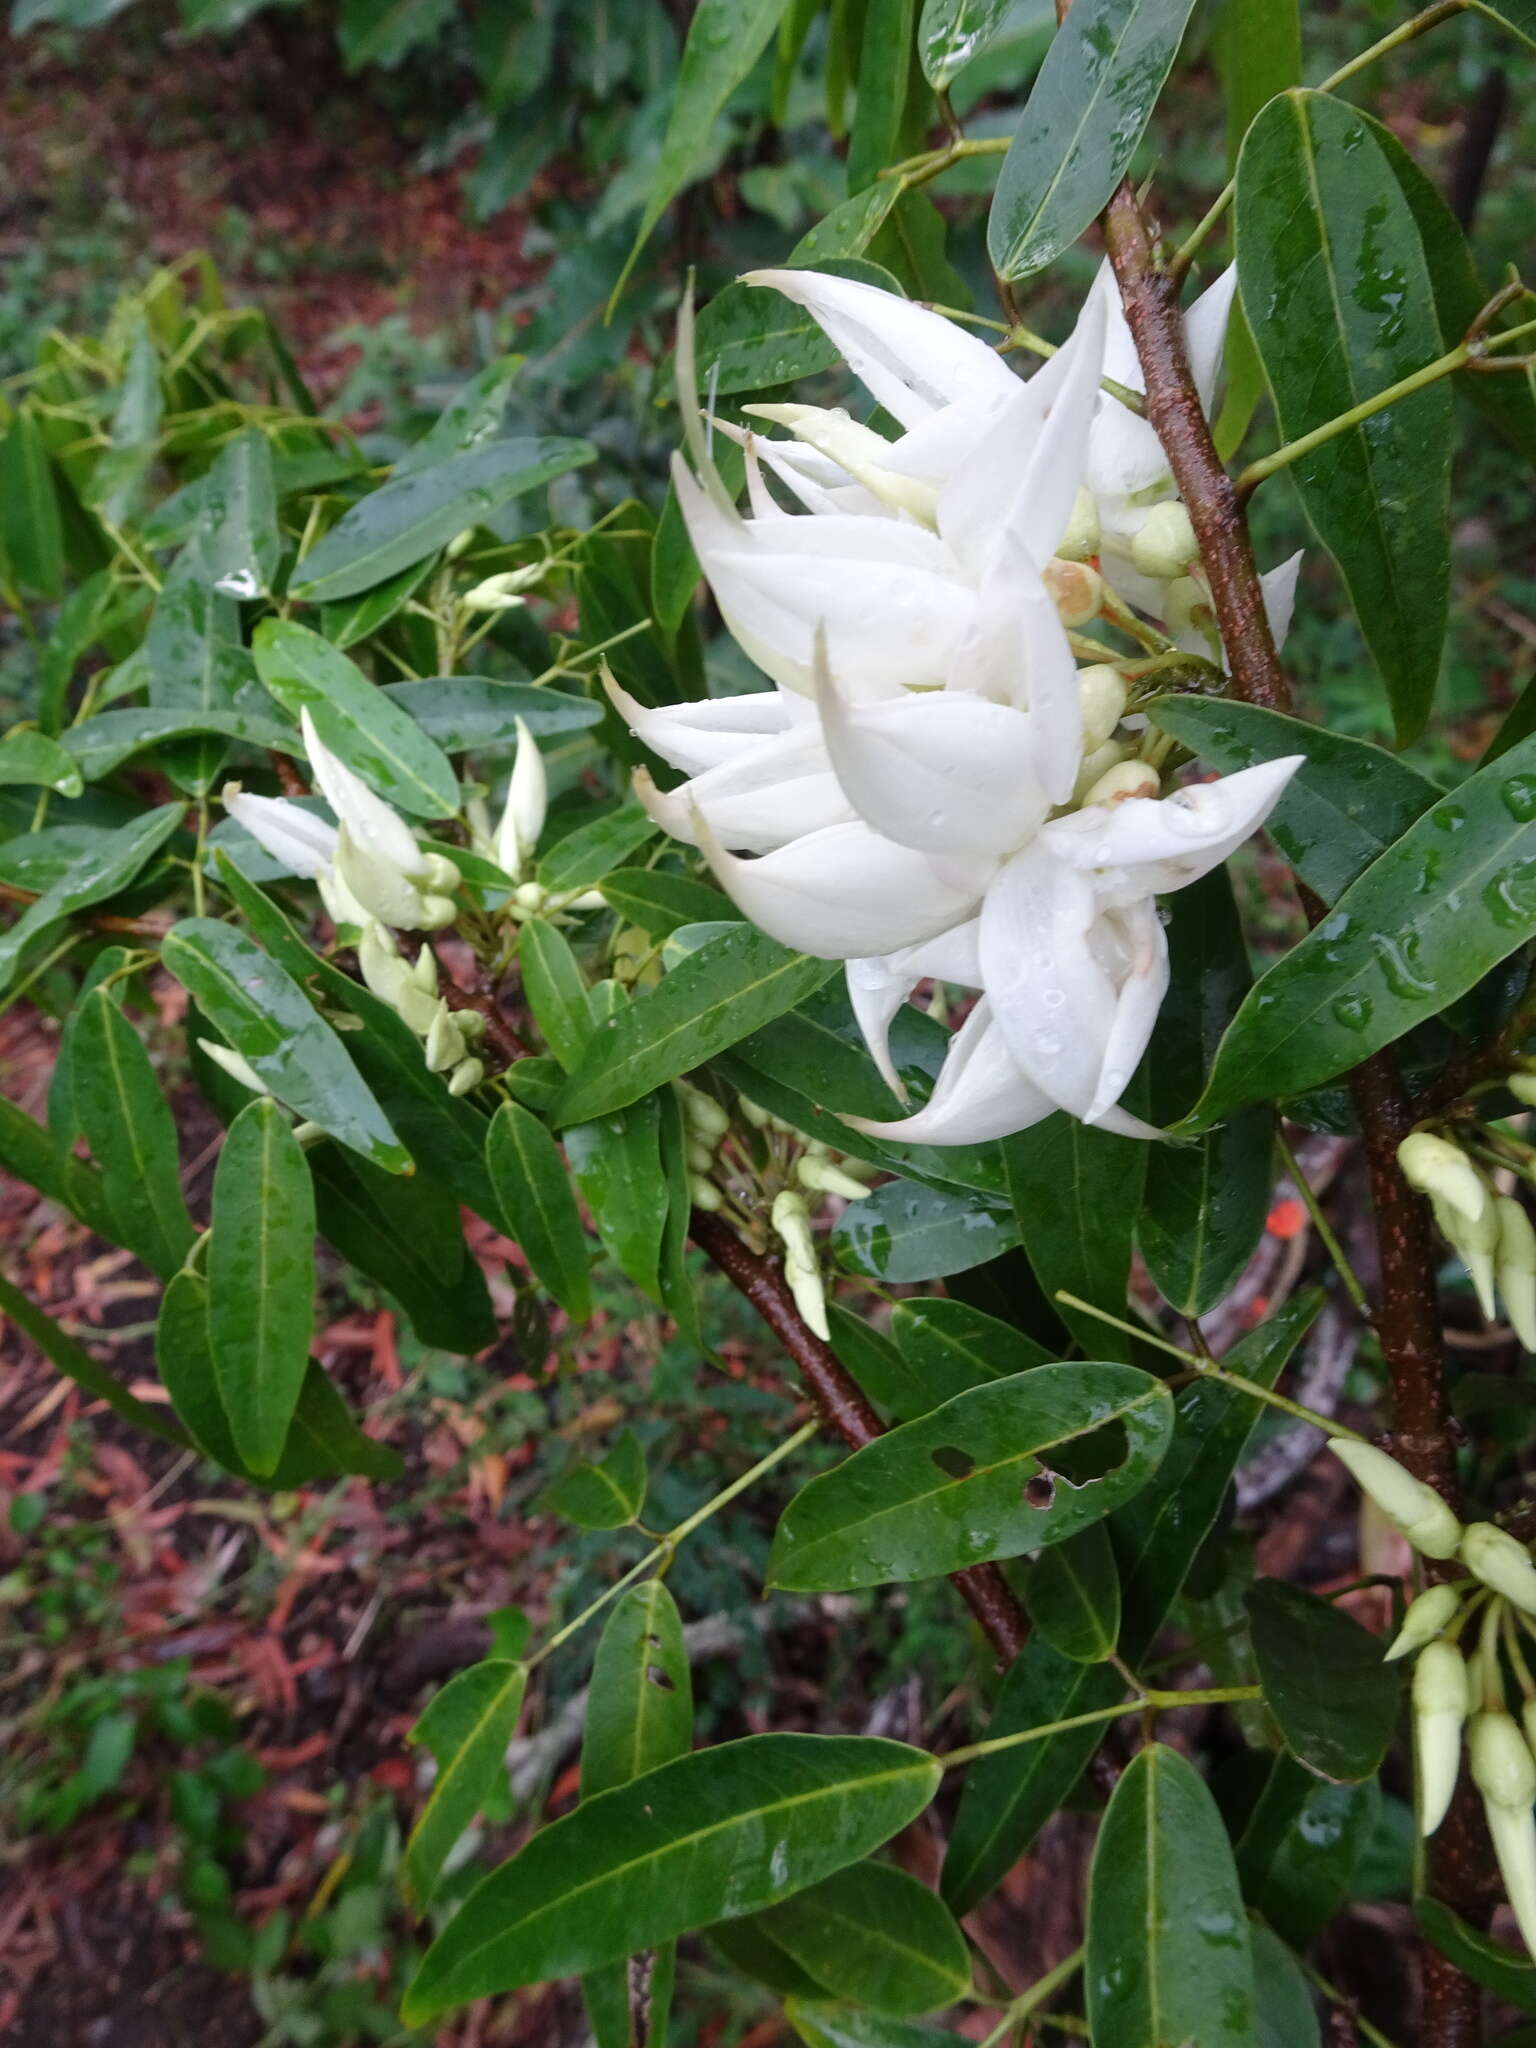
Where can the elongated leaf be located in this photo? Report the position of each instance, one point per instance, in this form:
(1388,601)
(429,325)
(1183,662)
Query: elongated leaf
(952,32)
(1001,1470)
(467,1727)
(261,1279)
(370,732)
(31,524)
(608,1495)
(417,514)
(32,757)
(618,1167)
(475,712)
(1075,1194)
(950,1346)
(1072,1592)
(1449,900)
(749,338)
(132,1135)
(640,1703)
(885,59)
(29,1151)
(236,544)
(1510,1975)
(1167,1954)
(1517,15)
(110,738)
(725,39)
(531,1188)
(473,417)
(1338,298)
(1203,1211)
(100,871)
(660,903)
(737,1827)
(1324,1681)
(556,990)
(1345,805)
(353,619)
(407,1235)
(1084,117)
(1301,1847)
(875,1936)
(845,2026)
(264,1014)
(588,853)
(1283,2008)
(906,1231)
(76,1363)
(732,985)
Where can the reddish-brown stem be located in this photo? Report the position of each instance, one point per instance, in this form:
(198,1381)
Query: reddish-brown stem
(154,928)
(842,1405)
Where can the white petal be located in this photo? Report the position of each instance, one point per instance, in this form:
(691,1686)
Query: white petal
(705,733)
(877,987)
(845,892)
(910,360)
(305,844)
(1121,362)
(1205,333)
(1047,489)
(759,497)
(980,1093)
(989,452)
(780,791)
(377,885)
(1052,998)
(1279,588)
(820,485)
(375,829)
(1017,652)
(1149,845)
(1141,997)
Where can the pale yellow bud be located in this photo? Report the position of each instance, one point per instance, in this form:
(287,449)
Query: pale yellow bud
(791,1221)
(1439,1709)
(1424,1620)
(1083,535)
(702,1113)
(810,1297)
(754,1113)
(496,593)
(1187,608)
(436,913)
(1165,545)
(1125,779)
(1436,1167)
(423,970)
(1515,1268)
(1095,764)
(699,1155)
(466,1075)
(530,897)
(527,801)
(1523,1089)
(1477,1244)
(445,1042)
(459,544)
(703,1193)
(1406,1502)
(1501,1561)
(1077,591)
(1102,693)
(823,1178)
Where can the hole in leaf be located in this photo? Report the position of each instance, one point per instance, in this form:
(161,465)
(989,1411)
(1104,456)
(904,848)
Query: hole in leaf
(654,1641)
(952,1460)
(1101,1451)
(1039,1490)
(656,1676)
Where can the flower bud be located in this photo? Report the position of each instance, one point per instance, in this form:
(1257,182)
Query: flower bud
(382,890)
(589,899)
(791,1220)
(499,593)
(1502,1765)
(1093,765)
(1187,608)
(810,1297)
(755,1114)
(445,1042)
(1477,1243)
(459,544)
(437,913)
(1083,535)
(527,800)
(1125,779)
(1101,692)
(823,1178)
(1523,1089)
(699,1155)
(1165,545)
(1437,1167)
(531,897)
(704,1194)
(466,1075)
(423,971)
(378,958)
(472,1026)
(702,1114)
(1425,1618)
(235,1065)
(1515,1268)
(1077,591)
(1501,1561)
(439,876)
(1408,1503)
(1439,1709)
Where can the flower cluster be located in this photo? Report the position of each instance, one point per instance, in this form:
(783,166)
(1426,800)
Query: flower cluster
(1490,1232)
(1458,1695)
(934,788)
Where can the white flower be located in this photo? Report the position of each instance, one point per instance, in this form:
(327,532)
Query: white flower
(527,801)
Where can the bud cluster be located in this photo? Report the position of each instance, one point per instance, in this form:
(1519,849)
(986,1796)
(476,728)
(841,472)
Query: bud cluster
(1490,1232)
(411,990)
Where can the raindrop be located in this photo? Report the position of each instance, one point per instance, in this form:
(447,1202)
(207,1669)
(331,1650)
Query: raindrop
(1519,795)
(1352,1011)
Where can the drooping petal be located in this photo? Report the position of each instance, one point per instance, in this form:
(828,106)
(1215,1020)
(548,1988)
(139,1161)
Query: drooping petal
(375,829)
(784,788)
(702,734)
(910,360)
(845,892)
(944,771)
(1016,651)
(1143,985)
(1150,845)
(988,451)
(1047,489)
(1053,999)
(820,485)
(859,452)
(1205,333)
(980,1094)
(878,986)
(305,844)
(379,886)
(1279,590)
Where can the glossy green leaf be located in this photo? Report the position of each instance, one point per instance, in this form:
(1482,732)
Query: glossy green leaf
(236,544)
(556,990)
(659,903)
(1517,15)
(1506,1972)
(751,337)
(594,849)
(406,1234)
(1203,1211)
(31,523)
(725,40)
(538,1208)
(261,1011)
(906,1231)
(478,714)
(415,515)
(358,722)
(1347,803)
(1324,1681)
(354,619)
(1080,126)
(1337,296)
(1449,900)
(952,32)
(1167,1956)
(1283,2009)
(467,1726)
(1004,1469)
(31,1152)
(196,665)
(640,1701)
(880,114)
(473,417)
(106,866)
(874,1936)
(748,1949)
(845,2026)
(77,1364)
(31,757)
(732,985)
(261,1279)
(618,1167)
(607,1495)
(950,1346)
(880,1369)
(110,738)
(739,1827)
(1301,1847)
(132,1135)
(1072,1591)
(677,1284)
(1075,1194)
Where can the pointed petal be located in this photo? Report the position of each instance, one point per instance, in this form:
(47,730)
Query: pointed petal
(305,844)
(1279,588)
(1141,997)
(702,734)
(1121,362)
(1016,652)
(378,885)
(980,1093)
(1150,845)
(1052,998)
(1205,333)
(988,455)
(1047,489)
(375,829)
(845,892)
(910,360)
(877,987)
(784,788)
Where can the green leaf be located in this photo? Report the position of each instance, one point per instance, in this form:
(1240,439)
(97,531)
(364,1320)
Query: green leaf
(1517,15)
(472,418)
(196,664)
(660,903)
(236,545)
(261,1279)
(556,990)
(608,1495)
(1283,2008)
(996,1472)
(71,1359)
(31,757)
(731,986)
(406,1234)
(415,515)
(479,715)
(1509,1975)
(1084,117)
(104,742)
(132,1135)
(354,619)
(618,1167)
(1072,1591)
(106,866)
(467,1726)
(875,1936)
(725,40)
(1203,1211)
(750,337)
(384,32)
(742,1825)
(1347,803)
(1338,298)
(1324,1681)
(1167,1956)
(905,1231)
(1301,1847)
(31,1152)
(1075,1193)
(677,1289)
(31,523)
(949,1347)
(592,850)
(640,1702)
(540,1215)
(365,728)
(844,2026)
(880,109)
(261,1011)
(1449,900)
(952,32)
